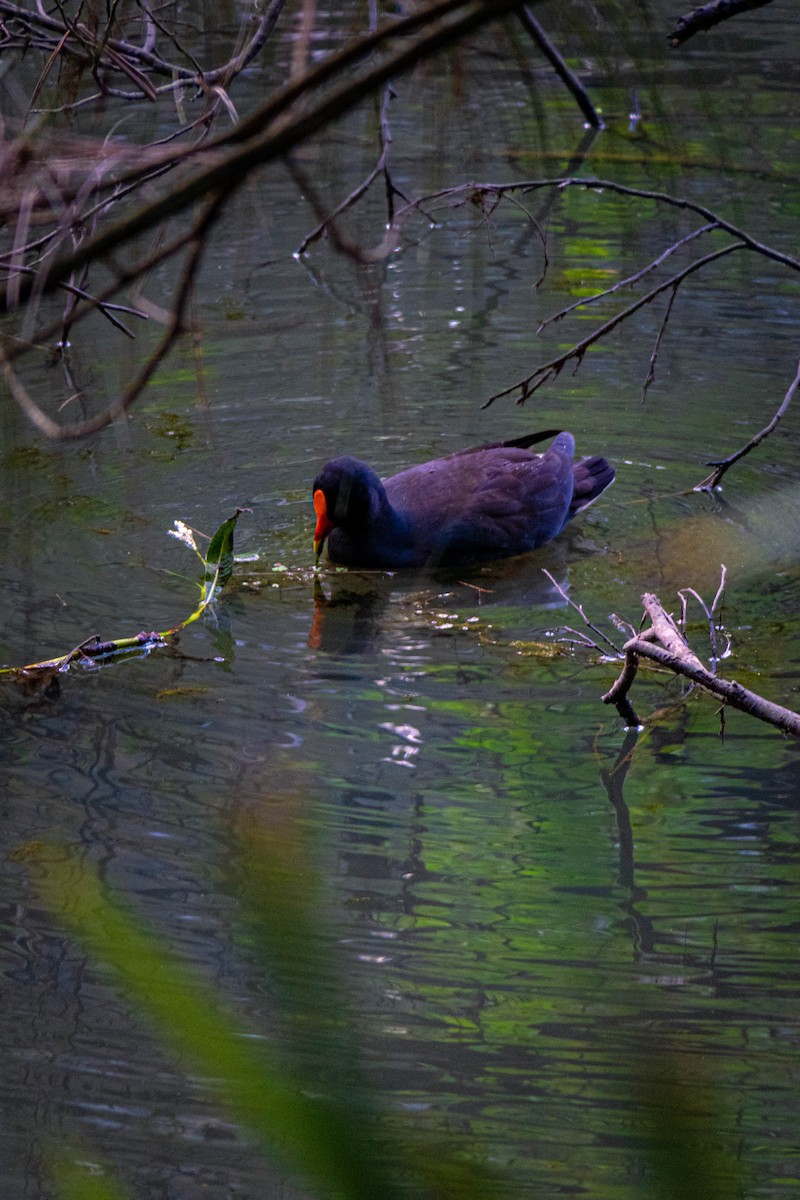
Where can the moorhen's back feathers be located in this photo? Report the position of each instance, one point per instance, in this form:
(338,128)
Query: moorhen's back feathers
(473,506)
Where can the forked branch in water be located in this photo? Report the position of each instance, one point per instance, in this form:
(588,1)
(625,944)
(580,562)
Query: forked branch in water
(664,644)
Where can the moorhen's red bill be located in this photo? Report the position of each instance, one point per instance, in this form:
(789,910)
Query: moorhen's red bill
(480,504)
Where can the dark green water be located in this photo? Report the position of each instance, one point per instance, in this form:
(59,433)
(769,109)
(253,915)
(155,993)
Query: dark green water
(532,940)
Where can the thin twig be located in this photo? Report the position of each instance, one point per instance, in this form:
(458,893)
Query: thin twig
(578,609)
(328,223)
(709,613)
(651,368)
(123,277)
(550,369)
(722,465)
(197,242)
(723,575)
(630,279)
(105,307)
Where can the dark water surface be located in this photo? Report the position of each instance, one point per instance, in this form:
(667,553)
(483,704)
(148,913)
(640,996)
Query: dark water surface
(546,929)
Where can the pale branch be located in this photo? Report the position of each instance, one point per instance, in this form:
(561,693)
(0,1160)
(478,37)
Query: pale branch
(666,631)
(579,610)
(617,694)
(551,369)
(722,465)
(623,625)
(709,612)
(701,19)
(717,601)
(664,644)
(729,691)
(578,638)
(153,26)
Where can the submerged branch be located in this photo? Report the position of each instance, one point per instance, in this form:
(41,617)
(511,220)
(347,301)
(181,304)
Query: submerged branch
(217,569)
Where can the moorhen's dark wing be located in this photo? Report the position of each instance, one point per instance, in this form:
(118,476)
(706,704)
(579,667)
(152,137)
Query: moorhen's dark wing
(484,503)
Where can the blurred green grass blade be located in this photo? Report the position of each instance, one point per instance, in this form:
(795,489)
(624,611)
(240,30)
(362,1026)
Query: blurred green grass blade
(317,1139)
(282,903)
(682,1126)
(75,1181)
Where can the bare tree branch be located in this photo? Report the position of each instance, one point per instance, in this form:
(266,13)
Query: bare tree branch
(197,238)
(651,366)
(707,16)
(116,54)
(579,610)
(722,465)
(630,279)
(561,68)
(328,223)
(464,192)
(664,644)
(274,129)
(617,694)
(550,369)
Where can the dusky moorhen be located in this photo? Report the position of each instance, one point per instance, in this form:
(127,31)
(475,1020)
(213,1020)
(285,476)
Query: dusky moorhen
(479,504)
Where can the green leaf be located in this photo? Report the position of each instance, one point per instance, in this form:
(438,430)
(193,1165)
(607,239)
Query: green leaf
(219,559)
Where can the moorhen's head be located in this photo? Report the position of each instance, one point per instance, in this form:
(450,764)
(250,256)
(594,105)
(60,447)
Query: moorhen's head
(346,493)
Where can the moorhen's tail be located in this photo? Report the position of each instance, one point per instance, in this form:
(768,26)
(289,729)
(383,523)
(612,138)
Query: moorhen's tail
(590,477)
